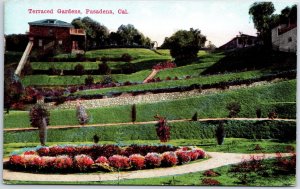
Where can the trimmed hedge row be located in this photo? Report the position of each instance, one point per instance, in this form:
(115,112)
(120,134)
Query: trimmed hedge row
(268,129)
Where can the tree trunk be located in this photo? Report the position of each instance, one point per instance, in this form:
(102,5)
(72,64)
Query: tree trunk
(43,132)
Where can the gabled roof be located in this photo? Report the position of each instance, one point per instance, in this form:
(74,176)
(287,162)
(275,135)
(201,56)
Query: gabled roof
(51,22)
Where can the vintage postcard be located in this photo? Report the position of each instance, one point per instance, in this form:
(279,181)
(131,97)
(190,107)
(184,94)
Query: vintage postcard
(164,93)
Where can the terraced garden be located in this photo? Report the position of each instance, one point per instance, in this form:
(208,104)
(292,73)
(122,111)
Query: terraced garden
(264,123)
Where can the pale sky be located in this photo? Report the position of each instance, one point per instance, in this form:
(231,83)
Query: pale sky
(219,20)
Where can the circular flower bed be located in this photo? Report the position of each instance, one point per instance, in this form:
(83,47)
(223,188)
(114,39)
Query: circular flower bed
(102,157)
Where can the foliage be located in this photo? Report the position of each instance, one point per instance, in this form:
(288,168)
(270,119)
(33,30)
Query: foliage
(126,57)
(137,161)
(119,162)
(133,113)
(81,114)
(95,138)
(220,133)
(210,182)
(258,113)
(234,108)
(104,68)
(211,173)
(89,80)
(169,159)
(63,162)
(79,69)
(153,159)
(286,165)
(185,44)
(183,157)
(102,160)
(162,129)
(272,115)
(195,117)
(164,65)
(83,162)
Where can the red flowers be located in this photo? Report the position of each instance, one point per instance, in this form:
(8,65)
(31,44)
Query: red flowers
(169,159)
(153,160)
(137,161)
(67,159)
(119,162)
(63,162)
(164,65)
(83,162)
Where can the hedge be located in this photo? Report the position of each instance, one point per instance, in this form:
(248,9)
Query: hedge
(267,129)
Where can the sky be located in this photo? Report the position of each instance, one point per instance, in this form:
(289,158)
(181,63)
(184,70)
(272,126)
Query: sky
(218,20)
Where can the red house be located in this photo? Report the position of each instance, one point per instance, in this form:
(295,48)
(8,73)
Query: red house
(56,34)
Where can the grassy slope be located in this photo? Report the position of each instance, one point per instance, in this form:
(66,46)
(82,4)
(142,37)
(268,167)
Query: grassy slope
(266,97)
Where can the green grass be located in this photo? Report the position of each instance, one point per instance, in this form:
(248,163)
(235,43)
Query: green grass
(178,83)
(55,80)
(63,65)
(279,96)
(226,178)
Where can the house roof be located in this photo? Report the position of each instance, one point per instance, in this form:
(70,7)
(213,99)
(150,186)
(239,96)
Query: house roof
(238,36)
(51,22)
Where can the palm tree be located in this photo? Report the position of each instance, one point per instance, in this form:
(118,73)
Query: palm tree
(39,117)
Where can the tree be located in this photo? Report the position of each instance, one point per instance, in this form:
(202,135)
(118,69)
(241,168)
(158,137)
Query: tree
(261,13)
(220,133)
(195,117)
(133,113)
(81,114)
(162,129)
(97,34)
(39,117)
(185,44)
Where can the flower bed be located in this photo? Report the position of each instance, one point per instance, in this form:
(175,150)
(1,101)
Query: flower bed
(69,159)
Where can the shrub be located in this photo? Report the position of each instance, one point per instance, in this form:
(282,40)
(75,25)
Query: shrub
(210,182)
(234,108)
(63,162)
(162,129)
(47,162)
(89,80)
(83,162)
(169,159)
(137,161)
(102,160)
(95,139)
(81,114)
(195,117)
(286,165)
(17,160)
(201,153)
(272,115)
(164,65)
(258,113)
(126,57)
(107,79)
(211,173)
(220,133)
(193,155)
(183,157)
(104,68)
(30,153)
(39,117)
(119,162)
(153,160)
(133,113)
(53,71)
(44,151)
(79,69)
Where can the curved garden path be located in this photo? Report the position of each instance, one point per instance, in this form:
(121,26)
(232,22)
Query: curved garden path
(217,159)
(140,123)
(151,75)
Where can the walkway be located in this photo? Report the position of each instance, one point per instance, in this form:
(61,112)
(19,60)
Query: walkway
(142,123)
(151,75)
(217,159)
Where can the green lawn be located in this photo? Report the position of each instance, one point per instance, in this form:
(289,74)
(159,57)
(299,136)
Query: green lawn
(177,83)
(63,65)
(279,96)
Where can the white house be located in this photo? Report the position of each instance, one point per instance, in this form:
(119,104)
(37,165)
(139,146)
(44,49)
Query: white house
(284,38)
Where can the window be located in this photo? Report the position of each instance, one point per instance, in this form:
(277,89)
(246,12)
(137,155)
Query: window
(40,43)
(60,42)
(290,39)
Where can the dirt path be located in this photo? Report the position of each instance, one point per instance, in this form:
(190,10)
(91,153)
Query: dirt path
(139,123)
(217,159)
(151,75)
